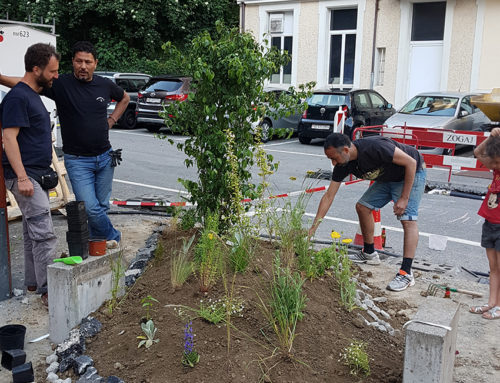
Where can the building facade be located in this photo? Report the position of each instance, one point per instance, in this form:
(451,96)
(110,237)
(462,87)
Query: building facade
(397,47)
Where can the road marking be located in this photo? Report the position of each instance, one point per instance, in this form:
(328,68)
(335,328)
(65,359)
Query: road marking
(281,143)
(304,154)
(400,230)
(151,186)
(459,218)
(145,135)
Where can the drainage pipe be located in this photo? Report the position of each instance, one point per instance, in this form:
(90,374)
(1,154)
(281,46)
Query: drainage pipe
(374,45)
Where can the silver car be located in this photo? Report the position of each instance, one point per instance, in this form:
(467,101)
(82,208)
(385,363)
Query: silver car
(269,122)
(440,110)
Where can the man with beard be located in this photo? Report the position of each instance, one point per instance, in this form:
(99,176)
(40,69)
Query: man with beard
(399,174)
(81,100)
(27,140)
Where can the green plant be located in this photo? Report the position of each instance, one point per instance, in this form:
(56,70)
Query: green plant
(117,273)
(229,70)
(209,253)
(286,304)
(214,311)
(147,304)
(158,253)
(242,250)
(188,219)
(148,339)
(355,357)
(347,284)
(180,266)
(189,357)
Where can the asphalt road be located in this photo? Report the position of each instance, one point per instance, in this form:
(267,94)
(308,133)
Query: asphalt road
(151,168)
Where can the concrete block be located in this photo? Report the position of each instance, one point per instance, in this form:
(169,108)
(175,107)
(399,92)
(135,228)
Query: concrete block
(430,350)
(76,291)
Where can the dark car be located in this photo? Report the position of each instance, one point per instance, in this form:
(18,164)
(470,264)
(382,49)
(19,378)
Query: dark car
(363,107)
(160,90)
(131,83)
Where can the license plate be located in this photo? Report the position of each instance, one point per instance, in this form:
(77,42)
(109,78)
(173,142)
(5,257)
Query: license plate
(320,127)
(153,100)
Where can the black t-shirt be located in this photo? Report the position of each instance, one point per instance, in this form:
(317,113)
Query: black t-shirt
(81,106)
(22,107)
(374,162)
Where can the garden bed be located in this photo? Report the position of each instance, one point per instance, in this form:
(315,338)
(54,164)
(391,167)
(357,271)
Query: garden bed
(253,353)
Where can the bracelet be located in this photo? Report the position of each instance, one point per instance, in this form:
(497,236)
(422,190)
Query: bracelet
(22,179)
(114,119)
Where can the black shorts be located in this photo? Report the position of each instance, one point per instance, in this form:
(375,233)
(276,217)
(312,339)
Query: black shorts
(490,237)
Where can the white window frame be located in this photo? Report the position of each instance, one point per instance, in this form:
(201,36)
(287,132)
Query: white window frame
(324,33)
(282,36)
(343,33)
(264,13)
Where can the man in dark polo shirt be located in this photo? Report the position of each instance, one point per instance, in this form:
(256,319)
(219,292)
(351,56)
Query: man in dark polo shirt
(399,174)
(81,100)
(27,140)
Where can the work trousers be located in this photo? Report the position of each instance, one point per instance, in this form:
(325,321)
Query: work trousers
(38,234)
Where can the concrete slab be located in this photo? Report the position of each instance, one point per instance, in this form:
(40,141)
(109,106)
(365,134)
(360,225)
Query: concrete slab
(76,291)
(430,349)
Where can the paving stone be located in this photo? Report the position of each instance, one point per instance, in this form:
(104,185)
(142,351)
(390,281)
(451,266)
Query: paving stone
(380,299)
(90,327)
(51,358)
(385,314)
(114,379)
(54,367)
(81,363)
(52,377)
(373,315)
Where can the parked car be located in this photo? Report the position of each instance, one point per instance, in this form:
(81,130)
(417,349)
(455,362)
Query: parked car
(159,91)
(131,83)
(440,110)
(270,122)
(363,107)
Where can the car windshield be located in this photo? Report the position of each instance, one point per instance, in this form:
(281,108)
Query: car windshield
(321,99)
(163,86)
(431,106)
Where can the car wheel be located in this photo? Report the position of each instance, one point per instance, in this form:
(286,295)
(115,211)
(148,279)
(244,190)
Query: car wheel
(128,120)
(359,133)
(265,128)
(304,140)
(153,128)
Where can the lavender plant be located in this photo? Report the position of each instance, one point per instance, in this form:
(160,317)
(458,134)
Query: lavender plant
(189,357)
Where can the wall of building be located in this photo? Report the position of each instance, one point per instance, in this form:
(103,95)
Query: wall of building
(388,38)
(308,46)
(489,67)
(462,45)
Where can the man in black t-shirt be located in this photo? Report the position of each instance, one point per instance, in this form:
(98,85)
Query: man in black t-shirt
(399,174)
(27,140)
(81,100)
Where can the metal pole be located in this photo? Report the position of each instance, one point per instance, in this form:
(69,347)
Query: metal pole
(5,269)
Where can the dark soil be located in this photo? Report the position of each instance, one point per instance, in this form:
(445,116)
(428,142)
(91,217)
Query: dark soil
(252,354)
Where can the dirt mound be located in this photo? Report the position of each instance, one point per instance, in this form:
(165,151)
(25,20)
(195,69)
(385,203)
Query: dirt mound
(252,353)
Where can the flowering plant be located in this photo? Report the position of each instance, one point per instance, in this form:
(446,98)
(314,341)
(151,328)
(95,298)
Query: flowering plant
(356,358)
(190,357)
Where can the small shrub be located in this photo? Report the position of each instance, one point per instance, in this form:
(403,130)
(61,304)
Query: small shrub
(355,357)
(242,251)
(215,311)
(188,219)
(147,305)
(148,339)
(181,267)
(209,253)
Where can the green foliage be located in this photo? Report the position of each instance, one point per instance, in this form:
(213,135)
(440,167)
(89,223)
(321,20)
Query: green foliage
(242,250)
(347,283)
(147,304)
(229,70)
(209,253)
(286,304)
(148,339)
(188,219)
(158,253)
(117,272)
(355,357)
(317,264)
(180,266)
(127,33)
(215,311)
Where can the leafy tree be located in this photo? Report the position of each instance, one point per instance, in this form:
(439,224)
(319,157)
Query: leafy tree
(229,70)
(128,34)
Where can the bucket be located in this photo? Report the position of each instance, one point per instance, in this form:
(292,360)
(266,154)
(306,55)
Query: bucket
(437,242)
(12,337)
(97,247)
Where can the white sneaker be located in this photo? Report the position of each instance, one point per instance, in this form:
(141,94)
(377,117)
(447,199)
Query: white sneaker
(401,282)
(362,257)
